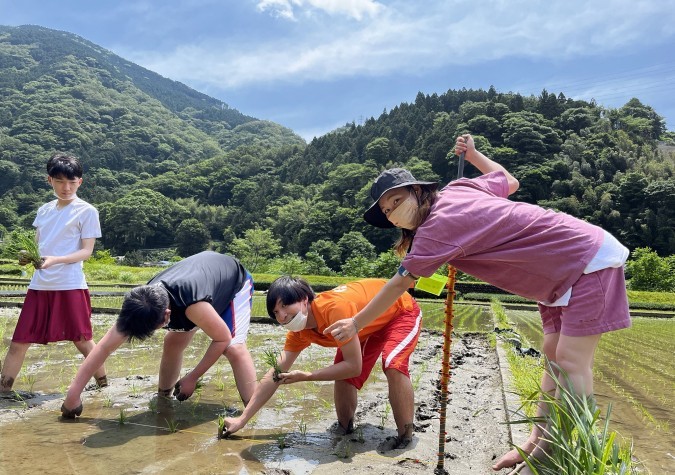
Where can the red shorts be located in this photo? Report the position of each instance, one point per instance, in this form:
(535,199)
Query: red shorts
(395,342)
(599,304)
(54,315)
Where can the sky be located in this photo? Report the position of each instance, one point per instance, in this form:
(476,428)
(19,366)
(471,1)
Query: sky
(315,65)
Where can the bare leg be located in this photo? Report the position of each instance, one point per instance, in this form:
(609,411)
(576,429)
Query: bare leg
(402,400)
(85,347)
(243,369)
(12,366)
(346,397)
(512,457)
(172,358)
(574,356)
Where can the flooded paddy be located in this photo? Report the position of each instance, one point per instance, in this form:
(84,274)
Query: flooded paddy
(124,429)
(635,371)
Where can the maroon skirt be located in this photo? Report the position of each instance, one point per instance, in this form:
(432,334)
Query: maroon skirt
(54,315)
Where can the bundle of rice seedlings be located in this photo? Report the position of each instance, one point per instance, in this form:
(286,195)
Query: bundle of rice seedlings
(270,357)
(25,246)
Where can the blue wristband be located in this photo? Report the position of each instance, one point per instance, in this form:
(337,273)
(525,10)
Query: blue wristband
(402,271)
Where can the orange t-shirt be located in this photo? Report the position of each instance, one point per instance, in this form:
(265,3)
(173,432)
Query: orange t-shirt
(340,303)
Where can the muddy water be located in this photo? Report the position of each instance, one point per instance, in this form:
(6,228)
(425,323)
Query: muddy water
(124,430)
(634,371)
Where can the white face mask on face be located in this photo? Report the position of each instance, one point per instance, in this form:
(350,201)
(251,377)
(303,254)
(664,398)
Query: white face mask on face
(405,214)
(297,323)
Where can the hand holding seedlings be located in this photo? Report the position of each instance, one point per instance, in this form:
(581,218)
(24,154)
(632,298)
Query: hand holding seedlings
(270,358)
(27,249)
(294,377)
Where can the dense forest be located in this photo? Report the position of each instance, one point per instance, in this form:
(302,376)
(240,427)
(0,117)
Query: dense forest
(169,167)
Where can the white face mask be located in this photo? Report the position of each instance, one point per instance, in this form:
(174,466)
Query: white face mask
(297,323)
(405,214)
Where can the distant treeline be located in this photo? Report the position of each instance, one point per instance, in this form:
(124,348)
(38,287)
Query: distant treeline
(169,167)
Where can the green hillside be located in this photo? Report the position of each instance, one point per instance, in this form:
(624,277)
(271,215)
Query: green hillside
(168,166)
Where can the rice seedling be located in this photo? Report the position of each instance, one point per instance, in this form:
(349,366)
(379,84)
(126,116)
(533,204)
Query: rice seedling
(221,426)
(24,244)
(152,404)
(108,402)
(358,436)
(302,427)
(270,357)
(30,380)
(172,425)
(384,414)
(579,438)
(281,442)
(122,419)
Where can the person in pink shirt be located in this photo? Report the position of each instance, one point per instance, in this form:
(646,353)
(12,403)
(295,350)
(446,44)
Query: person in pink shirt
(572,268)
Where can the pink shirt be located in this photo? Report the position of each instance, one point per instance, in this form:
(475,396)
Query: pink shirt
(522,248)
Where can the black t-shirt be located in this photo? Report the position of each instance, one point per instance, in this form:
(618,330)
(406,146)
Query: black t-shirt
(205,277)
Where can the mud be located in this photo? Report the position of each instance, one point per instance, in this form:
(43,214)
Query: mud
(124,428)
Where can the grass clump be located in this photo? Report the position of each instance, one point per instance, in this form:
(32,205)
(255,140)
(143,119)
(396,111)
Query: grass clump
(580,440)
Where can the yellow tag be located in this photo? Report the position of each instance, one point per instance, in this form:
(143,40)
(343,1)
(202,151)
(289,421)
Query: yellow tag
(433,285)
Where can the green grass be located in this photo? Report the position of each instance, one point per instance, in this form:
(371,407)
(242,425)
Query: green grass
(638,296)
(579,437)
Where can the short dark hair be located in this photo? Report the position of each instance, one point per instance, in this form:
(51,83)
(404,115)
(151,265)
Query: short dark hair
(142,311)
(63,164)
(289,290)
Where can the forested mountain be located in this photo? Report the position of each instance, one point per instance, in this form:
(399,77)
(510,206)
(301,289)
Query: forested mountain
(168,166)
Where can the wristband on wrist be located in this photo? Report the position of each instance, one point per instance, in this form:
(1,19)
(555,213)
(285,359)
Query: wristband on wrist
(355,325)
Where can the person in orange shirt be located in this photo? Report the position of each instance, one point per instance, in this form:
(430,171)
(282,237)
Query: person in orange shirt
(393,335)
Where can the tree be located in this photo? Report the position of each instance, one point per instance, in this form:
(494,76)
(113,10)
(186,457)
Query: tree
(386,264)
(648,271)
(142,218)
(191,237)
(354,244)
(255,248)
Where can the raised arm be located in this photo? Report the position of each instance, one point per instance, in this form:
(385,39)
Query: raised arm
(104,348)
(465,144)
(263,392)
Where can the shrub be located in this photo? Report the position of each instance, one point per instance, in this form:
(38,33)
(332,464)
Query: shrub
(648,271)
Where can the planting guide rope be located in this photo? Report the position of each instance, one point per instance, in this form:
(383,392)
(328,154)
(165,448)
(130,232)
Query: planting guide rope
(252,439)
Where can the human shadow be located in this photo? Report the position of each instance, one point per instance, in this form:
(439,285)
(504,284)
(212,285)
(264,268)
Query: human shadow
(167,419)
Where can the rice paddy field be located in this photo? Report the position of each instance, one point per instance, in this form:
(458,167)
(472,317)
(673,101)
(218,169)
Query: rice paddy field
(634,371)
(634,368)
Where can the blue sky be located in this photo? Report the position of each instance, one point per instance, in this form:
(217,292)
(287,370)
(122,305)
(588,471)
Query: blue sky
(314,65)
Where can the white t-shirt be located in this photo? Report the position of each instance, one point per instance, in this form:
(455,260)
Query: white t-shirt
(60,233)
(611,254)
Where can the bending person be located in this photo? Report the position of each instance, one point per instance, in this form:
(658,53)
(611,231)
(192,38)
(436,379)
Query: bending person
(572,268)
(392,335)
(209,291)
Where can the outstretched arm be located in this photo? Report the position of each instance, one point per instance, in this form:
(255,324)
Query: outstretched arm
(109,343)
(465,144)
(343,330)
(263,392)
(205,317)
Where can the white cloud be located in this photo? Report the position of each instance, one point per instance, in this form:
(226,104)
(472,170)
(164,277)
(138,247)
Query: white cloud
(356,9)
(413,37)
